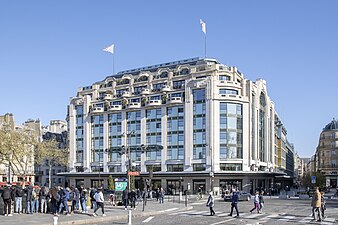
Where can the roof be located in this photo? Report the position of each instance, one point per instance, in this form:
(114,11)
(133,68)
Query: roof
(333,125)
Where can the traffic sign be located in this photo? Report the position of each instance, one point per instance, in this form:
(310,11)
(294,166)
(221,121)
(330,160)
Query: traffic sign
(313,179)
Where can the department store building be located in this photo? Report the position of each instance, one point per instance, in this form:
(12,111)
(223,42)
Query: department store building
(188,124)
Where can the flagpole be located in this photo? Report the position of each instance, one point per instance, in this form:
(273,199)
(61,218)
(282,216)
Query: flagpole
(113,63)
(205,46)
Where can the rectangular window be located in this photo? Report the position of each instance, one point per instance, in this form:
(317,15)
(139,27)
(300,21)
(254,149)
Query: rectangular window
(198,167)
(175,168)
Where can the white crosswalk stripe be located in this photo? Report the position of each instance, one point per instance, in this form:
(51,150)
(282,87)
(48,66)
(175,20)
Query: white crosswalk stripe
(182,212)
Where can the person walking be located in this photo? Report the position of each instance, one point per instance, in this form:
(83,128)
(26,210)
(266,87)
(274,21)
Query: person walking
(99,201)
(35,200)
(211,204)
(7,198)
(133,199)
(323,208)
(125,197)
(83,199)
(316,205)
(92,198)
(64,193)
(18,198)
(261,201)
(43,199)
(256,202)
(234,203)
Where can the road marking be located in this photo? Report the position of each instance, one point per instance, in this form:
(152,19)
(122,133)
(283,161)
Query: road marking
(253,216)
(148,219)
(306,219)
(177,213)
(286,218)
(269,217)
(168,210)
(224,221)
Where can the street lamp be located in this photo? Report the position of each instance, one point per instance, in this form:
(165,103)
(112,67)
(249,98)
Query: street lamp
(127,147)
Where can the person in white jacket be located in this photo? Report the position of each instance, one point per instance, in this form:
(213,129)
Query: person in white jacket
(100,202)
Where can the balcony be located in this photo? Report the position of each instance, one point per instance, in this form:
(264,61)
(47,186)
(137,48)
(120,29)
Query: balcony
(145,91)
(176,100)
(165,88)
(126,94)
(134,105)
(97,109)
(154,103)
(115,108)
(229,96)
(108,97)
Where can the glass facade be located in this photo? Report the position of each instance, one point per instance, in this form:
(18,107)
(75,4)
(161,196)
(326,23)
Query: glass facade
(97,138)
(199,128)
(79,133)
(261,128)
(115,136)
(154,132)
(134,129)
(231,133)
(175,133)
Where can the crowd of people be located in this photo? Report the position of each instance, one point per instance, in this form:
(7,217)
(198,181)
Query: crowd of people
(56,200)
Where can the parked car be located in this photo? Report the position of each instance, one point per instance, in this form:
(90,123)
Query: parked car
(242,196)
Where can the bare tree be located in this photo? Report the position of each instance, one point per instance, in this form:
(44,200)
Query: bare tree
(17,150)
(48,152)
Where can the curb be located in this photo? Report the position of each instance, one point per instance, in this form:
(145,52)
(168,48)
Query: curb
(93,220)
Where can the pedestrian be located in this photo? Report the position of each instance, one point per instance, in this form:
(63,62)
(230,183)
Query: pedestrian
(323,207)
(43,199)
(92,198)
(18,198)
(7,199)
(261,201)
(35,200)
(29,205)
(256,202)
(234,203)
(83,199)
(316,205)
(64,194)
(125,196)
(55,199)
(211,204)
(161,195)
(75,199)
(133,198)
(99,201)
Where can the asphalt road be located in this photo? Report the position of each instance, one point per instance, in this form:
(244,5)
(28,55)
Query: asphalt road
(275,212)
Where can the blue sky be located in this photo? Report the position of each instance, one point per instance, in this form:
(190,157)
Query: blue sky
(50,48)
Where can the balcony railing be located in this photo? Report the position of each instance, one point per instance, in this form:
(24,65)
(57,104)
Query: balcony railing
(115,107)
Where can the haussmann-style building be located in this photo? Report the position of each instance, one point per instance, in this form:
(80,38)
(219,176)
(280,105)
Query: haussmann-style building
(188,124)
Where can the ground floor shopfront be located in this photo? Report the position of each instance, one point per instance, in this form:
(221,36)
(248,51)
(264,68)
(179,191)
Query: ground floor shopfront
(176,182)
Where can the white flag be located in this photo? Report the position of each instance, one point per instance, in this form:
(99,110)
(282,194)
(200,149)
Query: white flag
(204,26)
(109,49)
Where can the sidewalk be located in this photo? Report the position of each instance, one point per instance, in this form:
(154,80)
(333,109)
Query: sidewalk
(113,213)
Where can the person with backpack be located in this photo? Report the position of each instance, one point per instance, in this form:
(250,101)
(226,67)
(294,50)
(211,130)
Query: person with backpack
(29,205)
(234,203)
(18,198)
(99,201)
(43,199)
(64,197)
(7,198)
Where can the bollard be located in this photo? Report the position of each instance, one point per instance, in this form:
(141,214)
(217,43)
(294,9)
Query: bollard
(129,217)
(55,218)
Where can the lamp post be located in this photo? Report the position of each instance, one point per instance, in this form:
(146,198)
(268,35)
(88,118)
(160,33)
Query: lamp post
(128,143)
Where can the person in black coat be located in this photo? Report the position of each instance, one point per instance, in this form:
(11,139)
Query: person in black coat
(29,206)
(7,198)
(125,197)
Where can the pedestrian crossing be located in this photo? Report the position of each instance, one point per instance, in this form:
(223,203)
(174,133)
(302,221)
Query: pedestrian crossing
(260,218)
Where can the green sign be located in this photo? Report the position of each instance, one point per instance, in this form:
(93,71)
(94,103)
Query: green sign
(120,185)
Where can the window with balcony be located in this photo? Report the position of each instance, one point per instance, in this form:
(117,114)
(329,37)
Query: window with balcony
(230,167)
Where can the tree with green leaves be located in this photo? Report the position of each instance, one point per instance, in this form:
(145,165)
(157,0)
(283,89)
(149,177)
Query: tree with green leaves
(320,180)
(48,152)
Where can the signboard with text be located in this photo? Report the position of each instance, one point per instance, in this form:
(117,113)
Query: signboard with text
(120,184)
(134,173)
